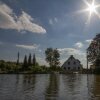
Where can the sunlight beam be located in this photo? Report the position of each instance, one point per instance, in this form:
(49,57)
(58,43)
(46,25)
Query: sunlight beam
(92,9)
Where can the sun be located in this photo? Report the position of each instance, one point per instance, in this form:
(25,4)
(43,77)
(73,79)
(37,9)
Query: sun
(91,8)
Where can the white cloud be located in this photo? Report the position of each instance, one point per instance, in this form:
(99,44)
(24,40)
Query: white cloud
(53,21)
(89,41)
(78,54)
(42,61)
(24,22)
(30,47)
(50,21)
(79,45)
(70,51)
(40,50)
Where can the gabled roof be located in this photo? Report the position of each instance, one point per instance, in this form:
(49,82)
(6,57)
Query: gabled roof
(71,57)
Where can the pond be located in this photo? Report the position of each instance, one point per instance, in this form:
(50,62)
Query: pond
(49,87)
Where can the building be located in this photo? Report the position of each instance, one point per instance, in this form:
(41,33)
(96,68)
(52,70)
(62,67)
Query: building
(72,64)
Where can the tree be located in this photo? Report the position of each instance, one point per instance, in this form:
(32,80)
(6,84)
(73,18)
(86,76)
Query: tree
(25,64)
(49,56)
(29,60)
(56,57)
(93,51)
(52,57)
(34,60)
(18,58)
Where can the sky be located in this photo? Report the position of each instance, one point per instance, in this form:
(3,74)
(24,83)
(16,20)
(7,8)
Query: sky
(31,26)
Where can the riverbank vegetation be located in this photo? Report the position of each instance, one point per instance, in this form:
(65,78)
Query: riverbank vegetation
(52,57)
(30,64)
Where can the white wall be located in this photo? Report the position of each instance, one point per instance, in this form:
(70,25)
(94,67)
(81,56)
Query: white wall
(72,66)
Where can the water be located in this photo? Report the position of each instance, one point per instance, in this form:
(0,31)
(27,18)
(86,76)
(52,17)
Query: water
(49,87)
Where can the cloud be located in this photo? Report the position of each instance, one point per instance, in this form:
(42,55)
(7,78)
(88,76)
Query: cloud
(42,61)
(78,45)
(88,41)
(53,21)
(30,47)
(78,54)
(70,51)
(50,21)
(24,22)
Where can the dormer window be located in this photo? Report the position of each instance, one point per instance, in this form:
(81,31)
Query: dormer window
(68,63)
(74,63)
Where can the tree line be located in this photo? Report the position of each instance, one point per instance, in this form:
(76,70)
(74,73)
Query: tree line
(30,64)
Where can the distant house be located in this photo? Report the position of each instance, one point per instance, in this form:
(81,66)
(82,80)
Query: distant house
(72,64)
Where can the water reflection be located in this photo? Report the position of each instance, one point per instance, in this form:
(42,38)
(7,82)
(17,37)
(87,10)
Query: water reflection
(74,87)
(95,89)
(52,88)
(29,82)
(71,82)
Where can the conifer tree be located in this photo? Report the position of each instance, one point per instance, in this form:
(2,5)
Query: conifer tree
(29,60)
(18,58)
(34,60)
(25,64)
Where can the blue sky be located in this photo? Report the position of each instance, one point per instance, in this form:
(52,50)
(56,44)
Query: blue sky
(31,26)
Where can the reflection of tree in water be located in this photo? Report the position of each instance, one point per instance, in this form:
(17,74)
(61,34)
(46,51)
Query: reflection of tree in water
(53,87)
(96,87)
(29,82)
(17,79)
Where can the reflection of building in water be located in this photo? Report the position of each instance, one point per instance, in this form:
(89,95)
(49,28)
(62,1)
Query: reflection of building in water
(53,87)
(72,82)
(72,64)
(74,87)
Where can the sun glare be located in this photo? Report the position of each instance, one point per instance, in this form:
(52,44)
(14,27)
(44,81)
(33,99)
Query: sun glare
(92,8)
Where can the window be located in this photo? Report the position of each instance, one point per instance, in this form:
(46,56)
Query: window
(68,63)
(78,68)
(65,68)
(68,68)
(74,63)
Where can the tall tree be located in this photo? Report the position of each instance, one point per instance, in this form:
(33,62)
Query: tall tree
(18,58)
(34,60)
(93,51)
(56,57)
(52,57)
(25,64)
(49,56)
(29,60)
